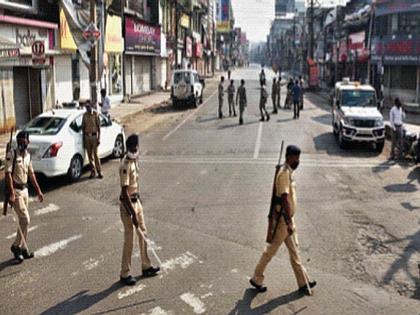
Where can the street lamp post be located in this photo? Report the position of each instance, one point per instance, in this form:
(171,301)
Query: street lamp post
(93,75)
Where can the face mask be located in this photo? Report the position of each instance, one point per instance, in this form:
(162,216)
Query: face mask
(294,165)
(22,146)
(133,156)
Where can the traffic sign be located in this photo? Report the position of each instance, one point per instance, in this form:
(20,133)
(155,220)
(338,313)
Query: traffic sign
(91,33)
(38,52)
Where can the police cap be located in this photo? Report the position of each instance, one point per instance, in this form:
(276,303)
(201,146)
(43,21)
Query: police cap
(23,135)
(132,140)
(293,150)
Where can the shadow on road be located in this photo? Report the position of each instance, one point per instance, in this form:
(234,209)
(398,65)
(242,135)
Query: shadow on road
(323,119)
(8,263)
(402,264)
(237,125)
(327,142)
(82,301)
(409,206)
(408,187)
(243,307)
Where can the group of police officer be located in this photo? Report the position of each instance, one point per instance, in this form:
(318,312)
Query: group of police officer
(19,169)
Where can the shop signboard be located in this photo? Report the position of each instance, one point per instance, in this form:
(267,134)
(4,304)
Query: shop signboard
(141,37)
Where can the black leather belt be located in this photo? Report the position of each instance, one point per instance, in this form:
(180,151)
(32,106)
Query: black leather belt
(20,186)
(133,198)
(93,134)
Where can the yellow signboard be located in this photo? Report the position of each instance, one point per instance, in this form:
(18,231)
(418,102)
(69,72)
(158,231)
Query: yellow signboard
(223,26)
(66,39)
(185,21)
(113,35)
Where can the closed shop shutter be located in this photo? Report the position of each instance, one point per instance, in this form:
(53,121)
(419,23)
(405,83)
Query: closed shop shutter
(147,73)
(21,95)
(63,79)
(138,76)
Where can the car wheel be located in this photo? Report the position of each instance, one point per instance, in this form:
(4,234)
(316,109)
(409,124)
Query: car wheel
(118,151)
(341,141)
(76,168)
(379,146)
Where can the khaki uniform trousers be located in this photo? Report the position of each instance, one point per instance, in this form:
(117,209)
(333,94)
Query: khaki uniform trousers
(21,208)
(271,250)
(91,146)
(220,106)
(128,239)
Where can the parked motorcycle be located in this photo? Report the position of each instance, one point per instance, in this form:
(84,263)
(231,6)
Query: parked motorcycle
(411,146)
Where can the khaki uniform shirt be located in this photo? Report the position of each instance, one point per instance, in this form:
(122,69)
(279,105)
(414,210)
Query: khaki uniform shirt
(129,175)
(241,93)
(221,91)
(285,184)
(23,167)
(91,122)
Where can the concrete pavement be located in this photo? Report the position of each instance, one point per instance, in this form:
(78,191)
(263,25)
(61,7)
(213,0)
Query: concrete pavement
(206,186)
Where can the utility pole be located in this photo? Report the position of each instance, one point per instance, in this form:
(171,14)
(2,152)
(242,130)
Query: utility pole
(93,75)
(311,31)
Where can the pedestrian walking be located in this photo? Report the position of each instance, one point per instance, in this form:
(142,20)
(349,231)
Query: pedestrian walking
(131,213)
(18,169)
(105,104)
(241,98)
(288,99)
(396,117)
(221,91)
(296,94)
(274,92)
(302,91)
(262,76)
(278,92)
(285,228)
(263,102)
(91,127)
(231,98)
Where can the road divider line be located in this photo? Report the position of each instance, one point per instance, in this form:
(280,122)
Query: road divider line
(197,305)
(134,290)
(258,141)
(32,228)
(54,247)
(50,208)
(188,117)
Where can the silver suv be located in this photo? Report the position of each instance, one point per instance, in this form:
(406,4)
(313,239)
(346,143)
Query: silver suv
(356,115)
(187,87)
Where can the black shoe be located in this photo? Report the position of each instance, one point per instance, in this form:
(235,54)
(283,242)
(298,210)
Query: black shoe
(27,254)
(268,117)
(241,122)
(130,280)
(262,119)
(274,112)
(220,116)
(17,252)
(304,289)
(260,288)
(92,175)
(234,115)
(100,176)
(150,272)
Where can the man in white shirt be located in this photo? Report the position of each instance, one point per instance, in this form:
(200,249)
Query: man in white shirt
(106,103)
(396,117)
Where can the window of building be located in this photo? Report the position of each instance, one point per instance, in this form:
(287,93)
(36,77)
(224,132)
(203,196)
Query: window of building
(409,23)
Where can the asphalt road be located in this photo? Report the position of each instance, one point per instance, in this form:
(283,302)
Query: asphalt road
(206,186)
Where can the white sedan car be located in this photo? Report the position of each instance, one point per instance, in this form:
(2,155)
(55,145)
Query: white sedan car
(56,142)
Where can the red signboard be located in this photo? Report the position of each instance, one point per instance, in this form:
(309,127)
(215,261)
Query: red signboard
(141,36)
(198,50)
(188,47)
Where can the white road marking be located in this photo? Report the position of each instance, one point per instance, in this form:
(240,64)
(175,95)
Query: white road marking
(159,311)
(184,261)
(92,263)
(198,306)
(206,295)
(258,141)
(52,248)
(234,271)
(189,116)
(32,228)
(134,290)
(50,208)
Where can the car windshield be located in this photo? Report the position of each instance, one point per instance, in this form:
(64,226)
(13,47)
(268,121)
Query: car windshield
(357,98)
(182,76)
(45,126)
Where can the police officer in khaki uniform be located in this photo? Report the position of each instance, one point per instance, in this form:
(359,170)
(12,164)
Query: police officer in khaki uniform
(241,99)
(263,101)
(131,212)
(231,96)
(286,194)
(221,94)
(91,127)
(18,168)
(274,92)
